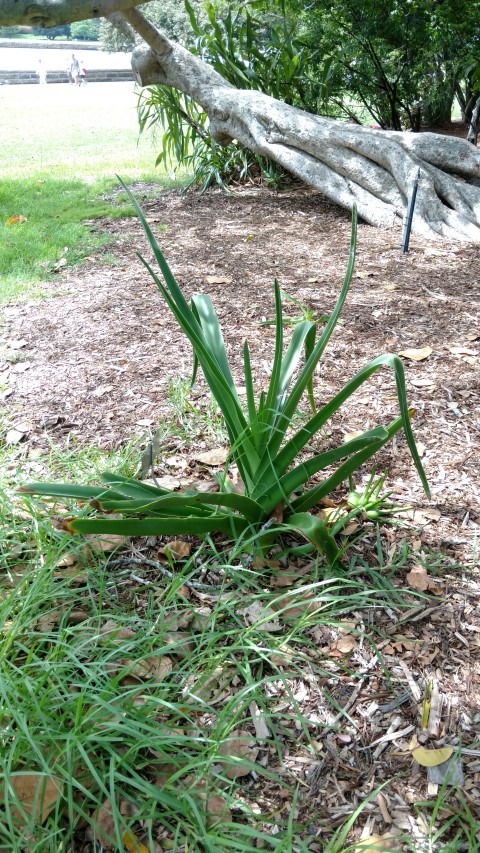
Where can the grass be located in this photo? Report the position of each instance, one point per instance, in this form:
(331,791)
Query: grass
(122,687)
(61,150)
(64,132)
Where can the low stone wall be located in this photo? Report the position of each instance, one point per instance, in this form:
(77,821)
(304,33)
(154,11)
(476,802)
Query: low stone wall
(14,78)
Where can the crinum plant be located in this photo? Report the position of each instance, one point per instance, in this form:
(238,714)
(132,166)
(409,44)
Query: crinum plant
(266,445)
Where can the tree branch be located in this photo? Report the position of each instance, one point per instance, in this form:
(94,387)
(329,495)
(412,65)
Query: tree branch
(53,13)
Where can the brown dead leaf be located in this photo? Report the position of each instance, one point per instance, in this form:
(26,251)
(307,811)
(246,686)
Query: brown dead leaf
(462,351)
(418,578)
(262,617)
(345,645)
(215,457)
(104,826)
(349,436)
(422,516)
(36,792)
(377,843)
(217,810)
(423,383)
(49,620)
(105,542)
(121,632)
(218,279)
(17,219)
(132,844)
(156,667)
(177,548)
(66,560)
(239,745)
(179,643)
(14,436)
(416,354)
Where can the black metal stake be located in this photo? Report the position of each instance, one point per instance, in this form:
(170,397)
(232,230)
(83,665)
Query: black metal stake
(407,225)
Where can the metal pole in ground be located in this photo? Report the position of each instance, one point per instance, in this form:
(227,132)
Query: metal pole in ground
(407,225)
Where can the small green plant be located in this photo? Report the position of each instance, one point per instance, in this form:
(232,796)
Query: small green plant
(264,442)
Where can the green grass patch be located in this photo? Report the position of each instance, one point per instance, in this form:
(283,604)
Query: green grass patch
(61,150)
(48,228)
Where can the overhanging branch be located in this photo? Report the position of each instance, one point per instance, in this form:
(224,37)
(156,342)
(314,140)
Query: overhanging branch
(54,13)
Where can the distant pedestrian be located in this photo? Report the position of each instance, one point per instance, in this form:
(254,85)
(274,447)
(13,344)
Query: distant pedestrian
(82,75)
(74,68)
(42,73)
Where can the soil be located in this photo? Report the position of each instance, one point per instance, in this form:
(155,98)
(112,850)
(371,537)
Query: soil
(92,361)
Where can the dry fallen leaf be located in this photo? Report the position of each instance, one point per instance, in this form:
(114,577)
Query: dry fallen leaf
(157,667)
(48,621)
(36,792)
(240,745)
(422,516)
(120,632)
(345,645)
(418,578)
(177,548)
(17,219)
(217,810)
(432,757)
(217,456)
(218,279)
(106,542)
(349,436)
(14,436)
(423,383)
(462,351)
(416,354)
(377,844)
(132,844)
(262,617)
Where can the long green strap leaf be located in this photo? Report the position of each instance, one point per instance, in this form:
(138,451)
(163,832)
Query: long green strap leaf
(230,525)
(213,335)
(302,473)
(315,494)
(64,490)
(306,374)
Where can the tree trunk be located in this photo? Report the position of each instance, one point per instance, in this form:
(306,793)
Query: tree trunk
(474,122)
(373,169)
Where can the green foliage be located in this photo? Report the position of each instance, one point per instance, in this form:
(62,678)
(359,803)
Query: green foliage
(249,54)
(169,16)
(50,228)
(86,30)
(52,33)
(398,65)
(264,439)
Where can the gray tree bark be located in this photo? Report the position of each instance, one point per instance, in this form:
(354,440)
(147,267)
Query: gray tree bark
(349,164)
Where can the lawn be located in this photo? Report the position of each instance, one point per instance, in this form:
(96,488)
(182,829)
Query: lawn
(64,132)
(61,150)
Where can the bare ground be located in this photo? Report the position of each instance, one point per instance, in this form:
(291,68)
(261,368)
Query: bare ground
(93,360)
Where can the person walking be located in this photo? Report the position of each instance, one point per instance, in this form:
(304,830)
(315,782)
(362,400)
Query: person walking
(42,73)
(74,69)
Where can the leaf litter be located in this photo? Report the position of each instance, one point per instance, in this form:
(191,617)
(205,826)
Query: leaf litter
(340,726)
